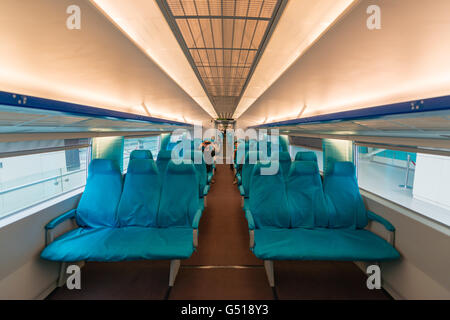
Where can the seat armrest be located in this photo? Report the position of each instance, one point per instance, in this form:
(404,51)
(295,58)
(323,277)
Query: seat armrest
(251,227)
(49,227)
(60,219)
(249,217)
(197,217)
(241,190)
(195,224)
(252,238)
(389,227)
(206,190)
(195,237)
(374,217)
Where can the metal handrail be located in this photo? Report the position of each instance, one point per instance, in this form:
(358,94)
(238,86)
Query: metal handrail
(41,181)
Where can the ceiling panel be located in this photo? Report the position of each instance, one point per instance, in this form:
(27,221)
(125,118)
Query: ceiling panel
(223,40)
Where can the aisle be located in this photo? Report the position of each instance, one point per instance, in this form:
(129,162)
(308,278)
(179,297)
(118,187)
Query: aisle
(223,266)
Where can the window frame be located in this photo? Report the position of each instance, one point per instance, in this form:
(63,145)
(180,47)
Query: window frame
(429,209)
(155,155)
(40,205)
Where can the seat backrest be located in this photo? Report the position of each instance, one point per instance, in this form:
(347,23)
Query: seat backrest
(179,196)
(268,200)
(101,196)
(200,168)
(341,186)
(140,196)
(285,162)
(141,154)
(247,169)
(163,159)
(306,200)
(305,156)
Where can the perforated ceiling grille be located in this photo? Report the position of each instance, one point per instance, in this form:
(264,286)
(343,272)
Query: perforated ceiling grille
(222,40)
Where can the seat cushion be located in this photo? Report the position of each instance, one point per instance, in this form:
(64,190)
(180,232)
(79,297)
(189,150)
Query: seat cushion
(118,244)
(322,244)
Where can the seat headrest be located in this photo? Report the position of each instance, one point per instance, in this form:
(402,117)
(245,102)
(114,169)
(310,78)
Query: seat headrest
(185,167)
(165,154)
(306,156)
(103,166)
(141,154)
(343,168)
(142,166)
(304,168)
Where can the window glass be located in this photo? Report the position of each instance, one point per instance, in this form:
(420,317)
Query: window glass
(294,149)
(146,143)
(31,179)
(414,180)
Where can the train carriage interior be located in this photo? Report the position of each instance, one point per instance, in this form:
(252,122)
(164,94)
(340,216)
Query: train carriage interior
(254,150)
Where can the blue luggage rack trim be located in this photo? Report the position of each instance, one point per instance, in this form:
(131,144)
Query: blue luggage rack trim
(415,106)
(24,101)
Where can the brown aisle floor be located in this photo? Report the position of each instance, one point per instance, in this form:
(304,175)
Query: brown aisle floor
(223,266)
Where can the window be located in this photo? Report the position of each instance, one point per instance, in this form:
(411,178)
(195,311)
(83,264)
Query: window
(417,181)
(294,149)
(27,180)
(146,143)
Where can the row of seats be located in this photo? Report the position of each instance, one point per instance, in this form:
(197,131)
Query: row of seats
(298,218)
(284,161)
(146,215)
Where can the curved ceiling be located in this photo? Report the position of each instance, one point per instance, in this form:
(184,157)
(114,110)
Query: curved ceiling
(352,67)
(96,65)
(223,40)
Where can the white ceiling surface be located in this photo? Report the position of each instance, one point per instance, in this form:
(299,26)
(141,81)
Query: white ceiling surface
(97,65)
(301,24)
(352,67)
(143,22)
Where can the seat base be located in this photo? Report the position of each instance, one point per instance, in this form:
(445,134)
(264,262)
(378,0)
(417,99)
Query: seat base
(119,244)
(322,244)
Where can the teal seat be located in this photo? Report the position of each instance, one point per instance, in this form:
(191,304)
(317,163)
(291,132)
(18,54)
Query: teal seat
(141,154)
(247,168)
(146,224)
(121,244)
(98,204)
(316,224)
(341,187)
(139,202)
(285,162)
(164,156)
(180,201)
(202,174)
(267,198)
(309,208)
(322,244)
(305,156)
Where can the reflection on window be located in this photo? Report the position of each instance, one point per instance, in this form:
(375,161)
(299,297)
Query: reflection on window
(147,143)
(294,149)
(414,180)
(31,179)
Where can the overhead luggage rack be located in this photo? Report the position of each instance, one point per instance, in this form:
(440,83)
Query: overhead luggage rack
(21,113)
